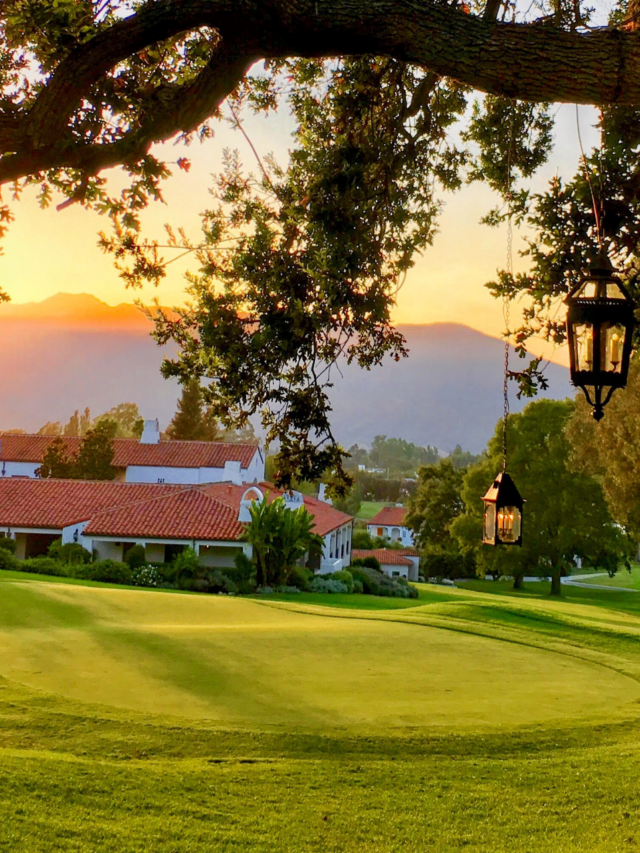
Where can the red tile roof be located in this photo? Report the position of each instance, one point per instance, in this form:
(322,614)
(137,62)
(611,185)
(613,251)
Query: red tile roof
(326,518)
(392,516)
(57,503)
(185,514)
(140,510)
(385,556)
(129,451)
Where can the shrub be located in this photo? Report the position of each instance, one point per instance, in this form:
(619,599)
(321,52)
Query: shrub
(8,562)
(7,544)
(447,564)
(145,576)
(368,562)
(300,577)
(71,553)
(345,577)
(44,566)
(184,569)
(243,574)
(357,586)
(328,585)
(369,578)
(135,557)
(106,571)
(219,582)
(264,590)
(290,590)
(361,539)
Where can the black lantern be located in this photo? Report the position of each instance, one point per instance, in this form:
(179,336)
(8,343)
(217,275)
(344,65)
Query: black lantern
(503,507)
(599,327)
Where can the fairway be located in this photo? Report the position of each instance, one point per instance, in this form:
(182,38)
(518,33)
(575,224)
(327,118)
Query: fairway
(477,718)
(245,663)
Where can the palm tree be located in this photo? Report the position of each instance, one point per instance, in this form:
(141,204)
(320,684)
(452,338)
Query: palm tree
(280,538)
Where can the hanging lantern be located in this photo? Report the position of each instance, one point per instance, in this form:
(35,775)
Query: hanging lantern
(503,507)
(599,327)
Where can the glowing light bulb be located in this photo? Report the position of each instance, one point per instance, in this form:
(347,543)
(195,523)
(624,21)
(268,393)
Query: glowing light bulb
(615,350)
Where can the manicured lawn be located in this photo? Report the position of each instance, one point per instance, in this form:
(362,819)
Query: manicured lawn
(370,508)
(477,718)
(623,578)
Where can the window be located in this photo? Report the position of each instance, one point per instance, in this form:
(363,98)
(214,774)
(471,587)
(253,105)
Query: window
(380,531)
(396,574)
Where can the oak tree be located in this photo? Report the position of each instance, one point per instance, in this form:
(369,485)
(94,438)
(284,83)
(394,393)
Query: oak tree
(319,248)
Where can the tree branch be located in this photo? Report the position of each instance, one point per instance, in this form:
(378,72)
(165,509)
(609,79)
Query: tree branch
(522,61)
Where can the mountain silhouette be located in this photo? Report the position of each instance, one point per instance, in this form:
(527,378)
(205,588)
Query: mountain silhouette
(72,350)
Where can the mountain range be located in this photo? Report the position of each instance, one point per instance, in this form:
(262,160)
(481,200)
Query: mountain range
(72,350)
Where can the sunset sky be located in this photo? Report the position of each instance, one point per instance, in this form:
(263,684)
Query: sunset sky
(47,251)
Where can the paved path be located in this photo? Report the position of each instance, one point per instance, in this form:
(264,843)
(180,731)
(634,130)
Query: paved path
(574,580)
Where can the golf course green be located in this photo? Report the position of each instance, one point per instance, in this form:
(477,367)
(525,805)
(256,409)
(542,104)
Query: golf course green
(138,720)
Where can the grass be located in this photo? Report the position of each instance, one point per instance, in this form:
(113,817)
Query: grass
(478,718)
(625,579)
(370,508)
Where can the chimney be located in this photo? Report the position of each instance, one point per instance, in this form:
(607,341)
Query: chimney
(252,494)
(151,432)
(322,496)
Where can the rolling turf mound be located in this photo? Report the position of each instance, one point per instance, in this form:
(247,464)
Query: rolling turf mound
(253,664)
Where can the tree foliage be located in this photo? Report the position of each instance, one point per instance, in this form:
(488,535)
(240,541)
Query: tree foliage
(565,514)
(191,421)
(434,506)
(93,461)
(280,537)
(298,267)
(610,450)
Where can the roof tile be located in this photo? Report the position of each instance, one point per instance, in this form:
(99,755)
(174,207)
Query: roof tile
(129,451)
(390,515)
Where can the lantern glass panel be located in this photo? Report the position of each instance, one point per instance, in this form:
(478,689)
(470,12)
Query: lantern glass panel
(583,346)
(599,289)
(612,338)
(489,523)
(509,523)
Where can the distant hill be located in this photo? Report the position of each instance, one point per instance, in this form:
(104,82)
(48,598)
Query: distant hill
(72,351)
(447,392)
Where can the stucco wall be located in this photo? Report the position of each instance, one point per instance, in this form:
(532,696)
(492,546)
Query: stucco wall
(18,469)
(105,550)
(21,544)
(218,556)
(154,552)
(393,532)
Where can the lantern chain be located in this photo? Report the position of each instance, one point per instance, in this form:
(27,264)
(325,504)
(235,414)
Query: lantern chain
(505,300)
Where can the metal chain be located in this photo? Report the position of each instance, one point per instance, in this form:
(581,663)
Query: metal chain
(505,298)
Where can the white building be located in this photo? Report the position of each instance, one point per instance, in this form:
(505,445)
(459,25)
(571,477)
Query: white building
(149,460)
(108,518)
(390,524)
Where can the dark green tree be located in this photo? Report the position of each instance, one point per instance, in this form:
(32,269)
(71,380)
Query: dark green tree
(435,504)
(191,421)
(565,516)
(56,461)
(460,458)
(95,458)
(610,450)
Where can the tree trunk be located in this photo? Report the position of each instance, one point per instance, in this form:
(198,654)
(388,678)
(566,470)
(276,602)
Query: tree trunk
(556,586)
(518,582)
